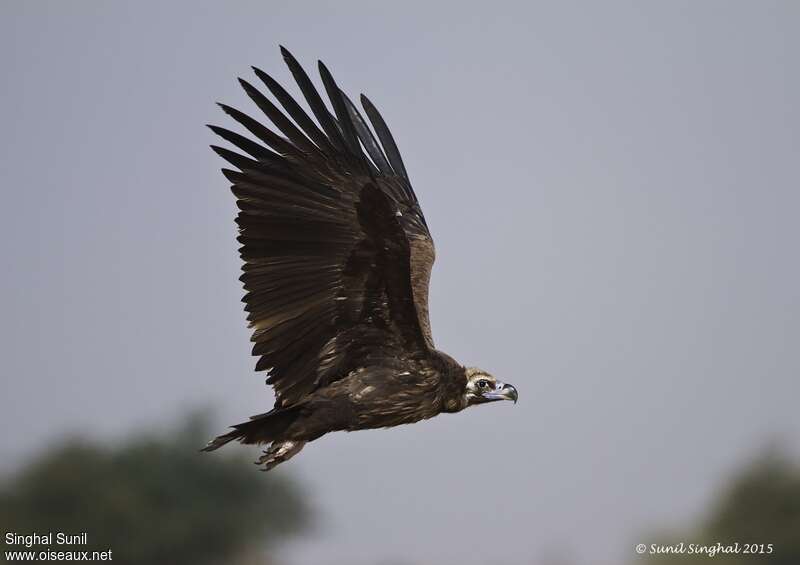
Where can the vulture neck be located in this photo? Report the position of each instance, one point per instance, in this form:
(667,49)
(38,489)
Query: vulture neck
(453,383)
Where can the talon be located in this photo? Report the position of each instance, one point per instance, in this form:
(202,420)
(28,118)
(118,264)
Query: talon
(278,452)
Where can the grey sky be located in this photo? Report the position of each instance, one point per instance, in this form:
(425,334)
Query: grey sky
(614,193)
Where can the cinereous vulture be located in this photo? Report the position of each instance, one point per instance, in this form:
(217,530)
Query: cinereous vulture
(337,259)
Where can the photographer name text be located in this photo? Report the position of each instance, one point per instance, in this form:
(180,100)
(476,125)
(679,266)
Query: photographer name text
(50,538)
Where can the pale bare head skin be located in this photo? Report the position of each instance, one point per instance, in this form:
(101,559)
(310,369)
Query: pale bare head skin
(483,387)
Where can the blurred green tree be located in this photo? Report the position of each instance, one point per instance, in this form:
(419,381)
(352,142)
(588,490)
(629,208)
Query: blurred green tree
(153,500)
(761,505)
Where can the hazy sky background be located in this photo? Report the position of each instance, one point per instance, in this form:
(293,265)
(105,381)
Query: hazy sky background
(614,191)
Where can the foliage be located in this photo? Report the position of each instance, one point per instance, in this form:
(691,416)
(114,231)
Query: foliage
(760,506)
(153,500)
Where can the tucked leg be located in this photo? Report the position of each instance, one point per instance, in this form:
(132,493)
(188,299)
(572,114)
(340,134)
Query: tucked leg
(278,452)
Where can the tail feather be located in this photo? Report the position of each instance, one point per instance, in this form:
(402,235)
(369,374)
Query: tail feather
(263,428)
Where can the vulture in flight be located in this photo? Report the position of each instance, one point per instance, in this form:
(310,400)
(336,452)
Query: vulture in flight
(337,259)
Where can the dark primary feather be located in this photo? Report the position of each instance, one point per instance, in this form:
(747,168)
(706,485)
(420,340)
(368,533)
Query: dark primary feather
(337,254)
(385,136)
(266,135)
(283,123)
(295,111)
(314,101)
(342,116)
(367,139)
(250,147)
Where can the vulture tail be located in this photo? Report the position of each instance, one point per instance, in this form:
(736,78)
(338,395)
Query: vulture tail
(263,428)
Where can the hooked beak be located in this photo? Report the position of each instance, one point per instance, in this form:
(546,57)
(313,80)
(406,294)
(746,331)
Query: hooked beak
(502,392)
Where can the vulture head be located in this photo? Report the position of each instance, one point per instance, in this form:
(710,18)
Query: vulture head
(483,387)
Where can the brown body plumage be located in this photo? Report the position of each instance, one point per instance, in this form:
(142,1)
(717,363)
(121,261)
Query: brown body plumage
(337,261)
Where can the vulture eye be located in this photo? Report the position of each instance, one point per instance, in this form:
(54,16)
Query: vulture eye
(483,383)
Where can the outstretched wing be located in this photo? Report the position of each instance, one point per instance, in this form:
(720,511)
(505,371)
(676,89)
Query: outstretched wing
(337,254)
